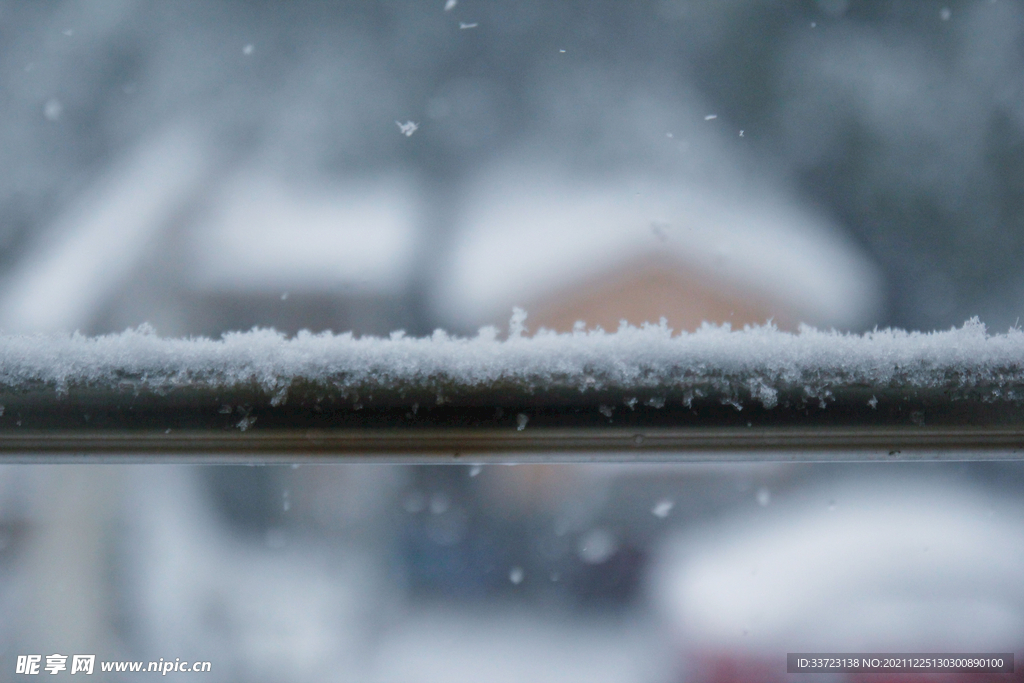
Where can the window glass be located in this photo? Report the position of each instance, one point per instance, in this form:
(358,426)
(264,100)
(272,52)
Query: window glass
(366,167)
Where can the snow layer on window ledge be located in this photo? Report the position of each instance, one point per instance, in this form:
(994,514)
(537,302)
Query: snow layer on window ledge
(756,362)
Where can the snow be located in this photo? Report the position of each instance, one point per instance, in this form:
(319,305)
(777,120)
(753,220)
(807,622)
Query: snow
(407,128)
(265,233)
(756,362)
(53,109)
(662,508)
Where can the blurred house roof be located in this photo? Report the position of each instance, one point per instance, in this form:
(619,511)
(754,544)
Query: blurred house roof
(174,225)
(612,248)
(81,260)
(172,221)
(264,233)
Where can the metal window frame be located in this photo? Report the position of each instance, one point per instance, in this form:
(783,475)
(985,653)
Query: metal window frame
(438,421)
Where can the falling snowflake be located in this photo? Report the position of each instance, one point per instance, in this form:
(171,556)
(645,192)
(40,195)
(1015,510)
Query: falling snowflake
(407,128)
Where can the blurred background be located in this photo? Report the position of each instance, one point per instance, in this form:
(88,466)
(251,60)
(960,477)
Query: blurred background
(205,167)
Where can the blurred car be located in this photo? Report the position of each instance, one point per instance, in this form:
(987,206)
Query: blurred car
(875,565)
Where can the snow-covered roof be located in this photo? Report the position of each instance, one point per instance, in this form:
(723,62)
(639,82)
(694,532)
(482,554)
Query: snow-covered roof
(533,230)
(86,256)
(264,233)
(254,231)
